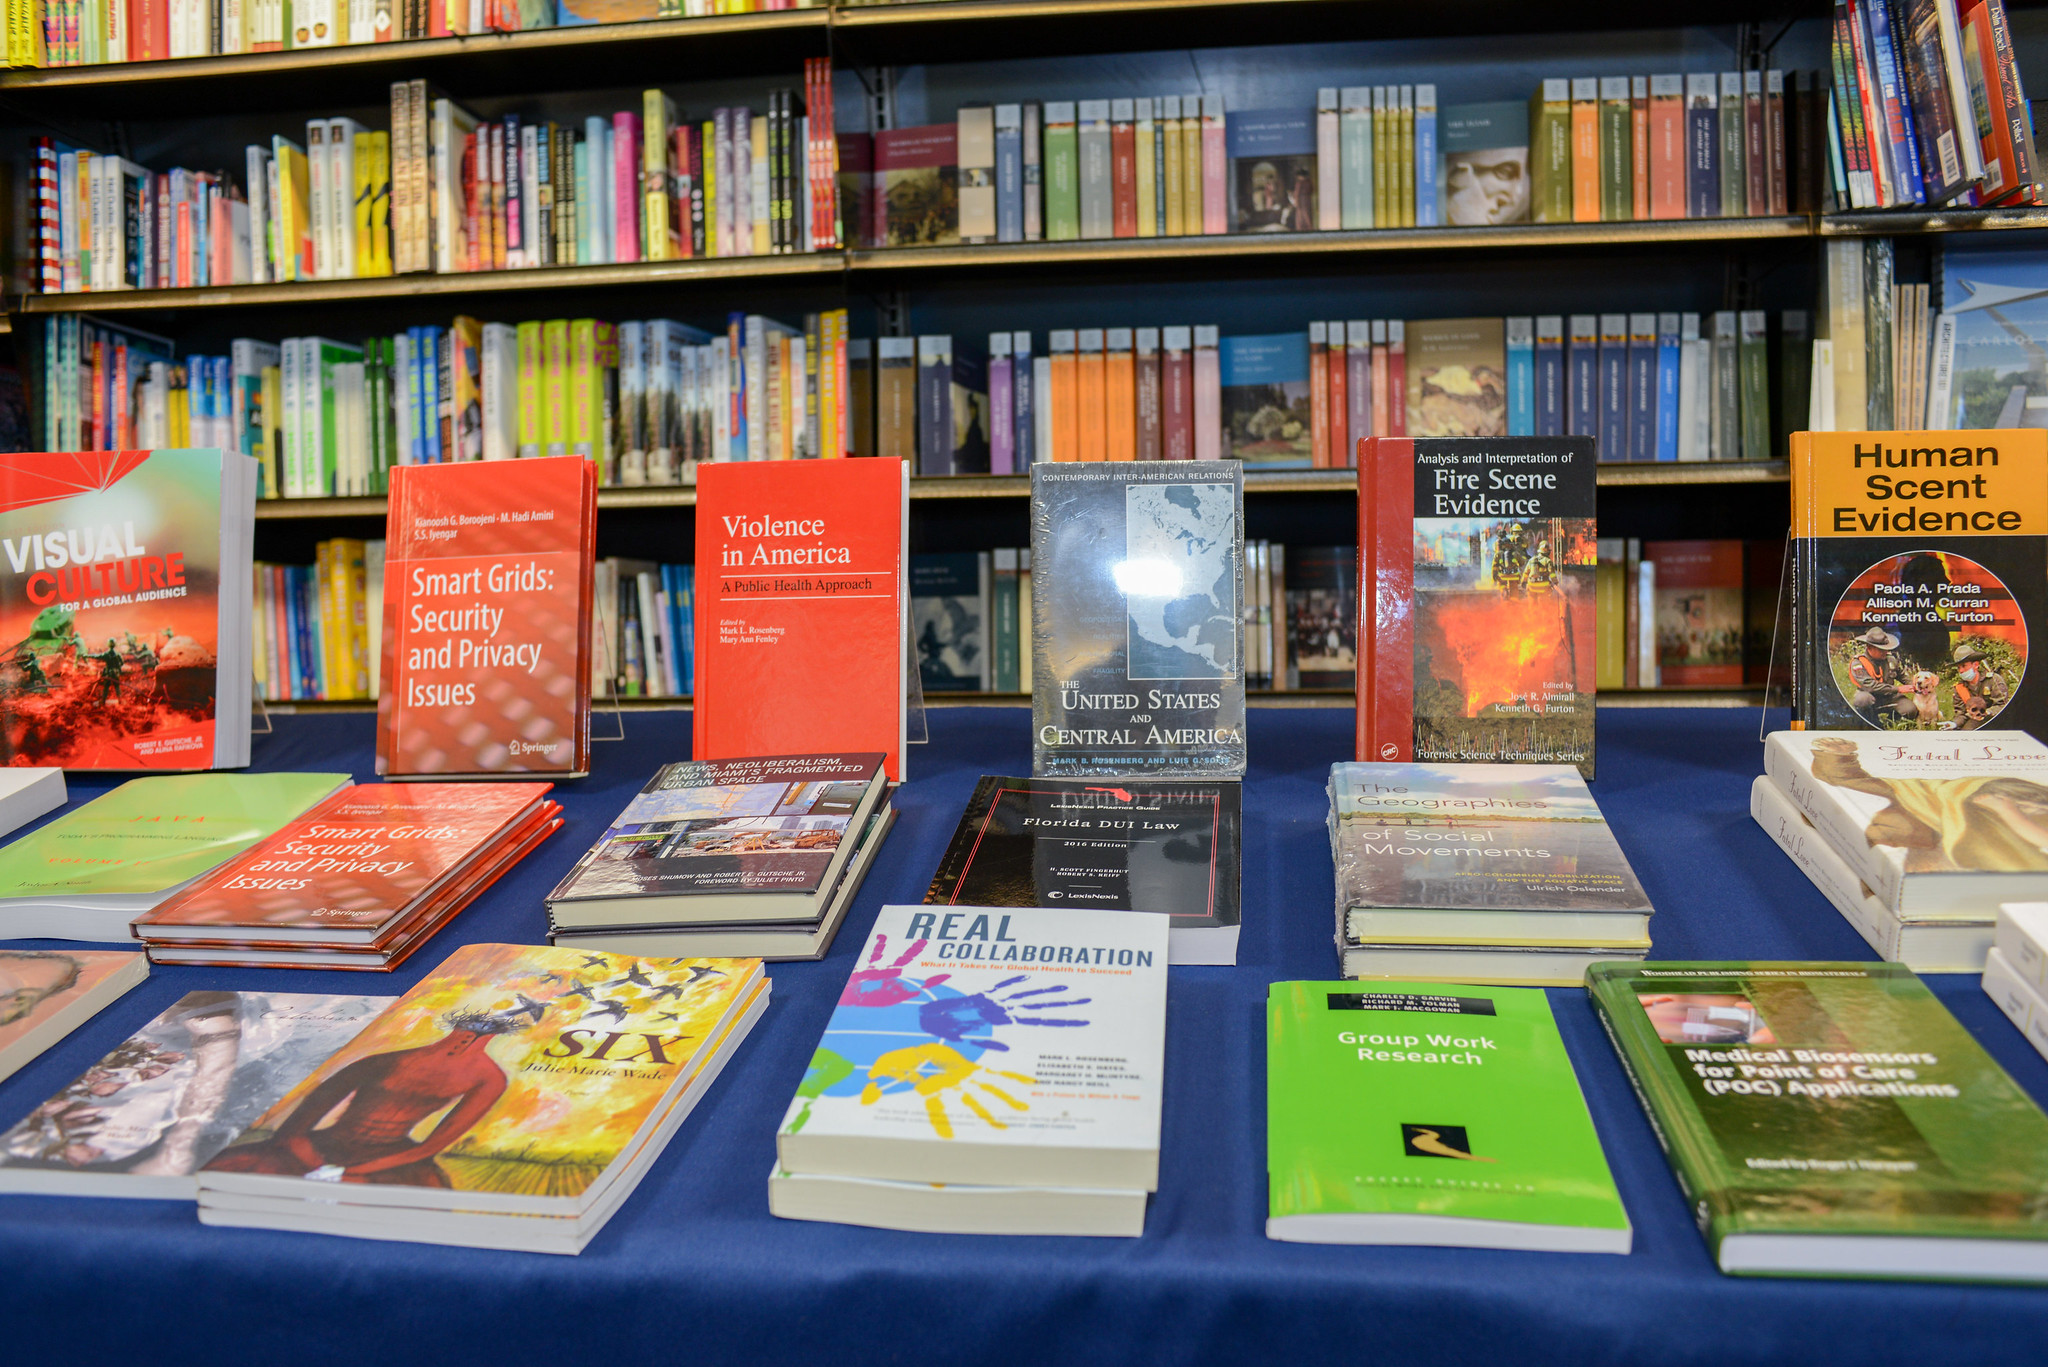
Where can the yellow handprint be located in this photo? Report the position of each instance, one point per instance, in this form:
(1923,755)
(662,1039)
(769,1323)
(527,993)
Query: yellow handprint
(935,1069)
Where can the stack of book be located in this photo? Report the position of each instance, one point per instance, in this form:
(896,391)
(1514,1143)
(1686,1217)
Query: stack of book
(1479,873)
(359,882)
(2016,969)
(752,857)
(1914,844)
(986,1072)
(563,1075)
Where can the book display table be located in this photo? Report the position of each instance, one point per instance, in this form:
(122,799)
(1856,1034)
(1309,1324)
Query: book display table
(694,1269)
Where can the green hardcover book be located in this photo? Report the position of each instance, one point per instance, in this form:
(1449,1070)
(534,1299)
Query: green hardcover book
(1413,1113)
(1003,609)
(1753,364)
(1617,160)
(1550,152)
(1832,1119)
(1062,173)
(1734,174)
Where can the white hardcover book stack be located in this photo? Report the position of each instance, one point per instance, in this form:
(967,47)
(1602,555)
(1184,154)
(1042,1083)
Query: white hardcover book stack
(986,1072)
(2016,970)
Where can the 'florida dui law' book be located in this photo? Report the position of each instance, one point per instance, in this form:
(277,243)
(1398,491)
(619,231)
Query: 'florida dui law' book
(124,608)
(1832,1119)
(487,619)
(1477,629)
(1416,1113)
(1136,629)
(1919,560)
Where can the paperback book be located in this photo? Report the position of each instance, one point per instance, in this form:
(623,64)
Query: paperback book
(1165,848)
(46,994)
(1137,628)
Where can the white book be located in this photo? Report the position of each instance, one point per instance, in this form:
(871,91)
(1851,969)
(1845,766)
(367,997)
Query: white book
(402,390)
(1041,411)
(1646,611)
(1923,946)
(452,124)
(362,21)
(352,457)
(1941,374)
(1904,811)
(2022,936)
(500,390)
(2019,999)
(953,1208)
(1692,443)
(1820,404)
(26,794)
(288,418)
(316,196)
(1329,174)
(341,198)
(1031,1112)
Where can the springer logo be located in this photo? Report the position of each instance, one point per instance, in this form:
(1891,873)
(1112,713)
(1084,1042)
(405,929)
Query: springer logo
(1439,1141)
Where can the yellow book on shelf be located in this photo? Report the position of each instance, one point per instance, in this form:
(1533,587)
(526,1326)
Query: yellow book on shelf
(714,186)
(554,335)
(657,114)
(352,573)
(1171,166)
(531,390)
(373,203)
(267,440)
(294,221)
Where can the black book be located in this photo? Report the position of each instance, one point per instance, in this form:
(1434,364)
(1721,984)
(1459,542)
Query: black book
(1115,844)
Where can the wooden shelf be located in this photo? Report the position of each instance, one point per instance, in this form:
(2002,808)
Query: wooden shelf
(1910,222)
(1619,475)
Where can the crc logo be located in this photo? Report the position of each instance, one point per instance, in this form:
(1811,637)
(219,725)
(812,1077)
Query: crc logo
(1439,1141)
(1389,750)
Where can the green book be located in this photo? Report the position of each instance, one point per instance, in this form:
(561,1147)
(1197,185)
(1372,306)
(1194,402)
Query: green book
(1062,173)
(1832,1119)
(1617,151)
(1415,1113)
(1550,152)
(1734,176)
(1753,366)
(90,872)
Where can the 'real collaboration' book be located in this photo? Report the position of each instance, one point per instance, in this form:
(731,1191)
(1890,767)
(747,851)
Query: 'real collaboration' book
(487,619)
(1167,848)
(49,993)
(1919,560)
(1137,630)
(1413,1113)
(1477,630)
(124,609)
(1832,1119)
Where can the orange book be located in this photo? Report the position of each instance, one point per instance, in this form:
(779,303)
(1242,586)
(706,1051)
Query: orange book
(1639,147)
(1319,393)
(1066,398)
(1119,396)
(1341,434)
(1586,150)
(1090,381)
(1667,147)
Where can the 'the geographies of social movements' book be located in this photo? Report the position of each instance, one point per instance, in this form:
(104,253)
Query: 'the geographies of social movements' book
(1415,1113)
(1136,634)
(1167,848)
(1832,1119)
(1919,560)
(49,993)
(1477,629)
(487,605)
(124,609)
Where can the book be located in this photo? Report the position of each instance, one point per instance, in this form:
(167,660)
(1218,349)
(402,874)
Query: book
(488,597)
(950,601)
(1322,616)
(491,1030)
(1986,295)
(1550,151)
(27,793)
(1273,165)
(93,870)
(917,188)
(1493,540)
(975,174)
(46,994)
(1096,188)
(742,840)
(1266,403)
(1918,564)
(141,1121)
(951,1208)
(1369,1093)
(1485,163)
(124,600)
(1699,612)
(810,598)
(1486,855)
(2018,999)
(1457,378)
(1136,632)
(1929,1149)
(1702,146)
(1165,848)
(967,1046)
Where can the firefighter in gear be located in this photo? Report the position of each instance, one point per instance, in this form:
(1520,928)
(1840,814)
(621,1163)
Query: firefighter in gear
(1510,559)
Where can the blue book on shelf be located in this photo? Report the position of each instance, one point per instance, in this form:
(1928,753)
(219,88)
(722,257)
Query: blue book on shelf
(1521,334)
(1667,386)
(1642,386)
(1892,88)
(1613,430)
(1023,403)
(1266,416)
(1548,361)
(1009,173)
(1584,360)
(1425,156)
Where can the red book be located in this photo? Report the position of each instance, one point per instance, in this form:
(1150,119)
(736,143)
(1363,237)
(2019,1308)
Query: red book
(1341,435)
(487,603)
(802,609)
(149,30)
(1397,377)
(1123,170)
(1699,622)
(1177,393)
(1319,395)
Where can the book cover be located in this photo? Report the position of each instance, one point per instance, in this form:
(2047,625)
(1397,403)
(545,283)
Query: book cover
(975,176)
(803,594)
(1477,625)
(1167,848)
(1485,171)
(1266,403)
(1272,170)
(949,609)
(1322,616)
(974,1043)
(46,994)
(1699,611)
(2000,317)
(146,1117)
(1096,191)
(487,603)
(1870,1117)
(1414,1113)
(1457,378)
(1136,634)
(1919,565)
(917,186)
(124,608)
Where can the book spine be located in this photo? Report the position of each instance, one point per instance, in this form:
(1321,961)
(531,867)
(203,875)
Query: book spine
(1777,185)
(1667,387)
(1617,150)
(1215,169)
(1550,152)
(1586,184)
(1550,376)
(1521,358)
(1427,198)
(1755,148)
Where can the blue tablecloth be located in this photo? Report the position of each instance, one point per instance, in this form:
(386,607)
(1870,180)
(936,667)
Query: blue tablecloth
(694,1269)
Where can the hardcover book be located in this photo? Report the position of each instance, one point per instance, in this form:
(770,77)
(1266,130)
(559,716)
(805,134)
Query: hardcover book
(1273,167)
(1170,849)
(124,598)
(1266,402)
(1322,616)
(950,602)
(1832,1119)
(487,619)
(1457,378)
(804,594)
(1136,633)
(917,190)
(1699,611)
(46,994)
(1413,1113)
(144,1119)
(1478,633)
(1919,560)
(994,1047)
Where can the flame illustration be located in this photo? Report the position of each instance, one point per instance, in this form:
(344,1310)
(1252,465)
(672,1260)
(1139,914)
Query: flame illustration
(1500,650)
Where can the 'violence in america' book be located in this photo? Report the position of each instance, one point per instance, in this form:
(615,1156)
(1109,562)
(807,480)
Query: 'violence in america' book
(487,619)
(1137,632)
(124,609)
(1170,849)
(1477,629)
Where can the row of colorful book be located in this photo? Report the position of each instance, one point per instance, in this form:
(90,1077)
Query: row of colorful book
(1688,614)
(646,629)
(317,627)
